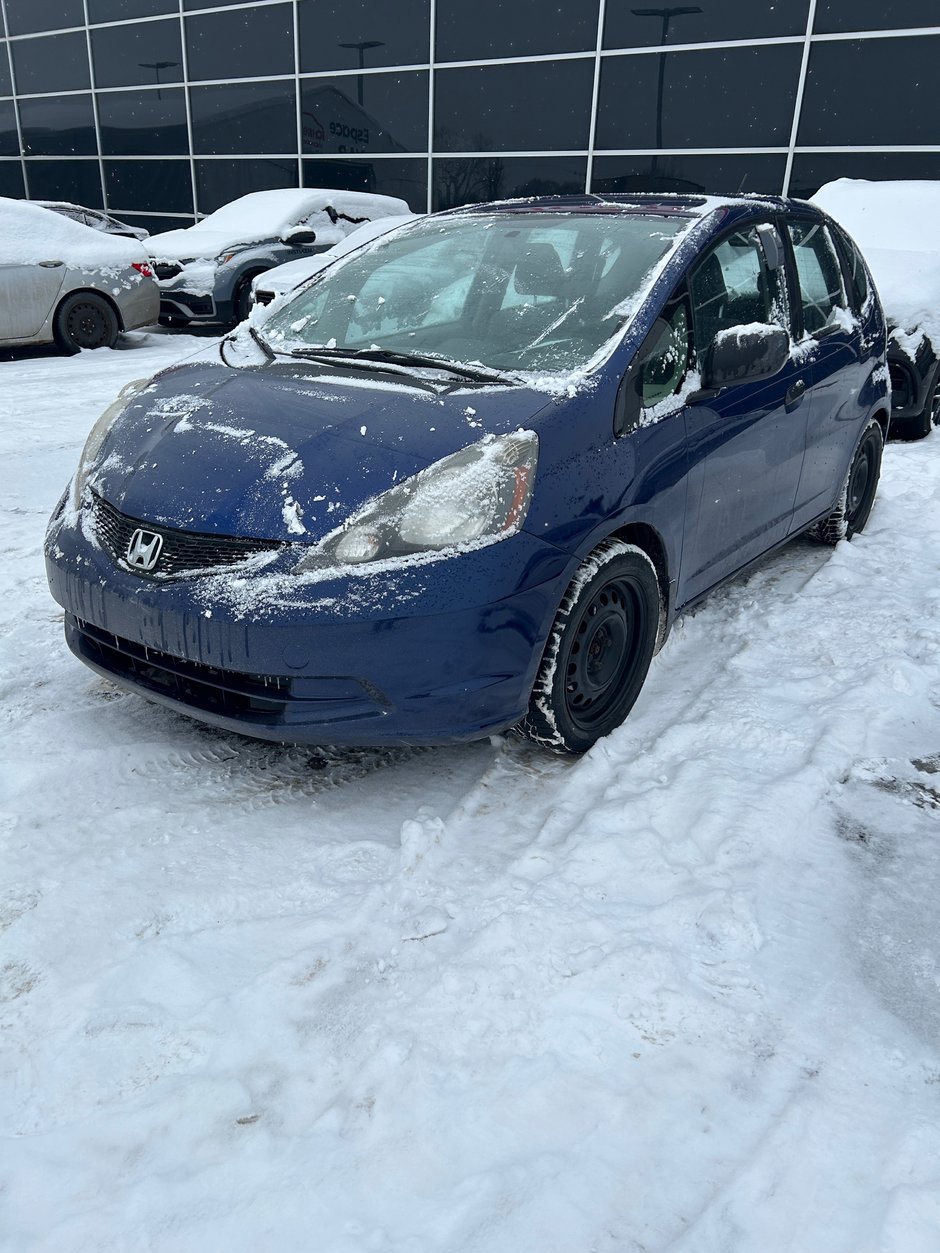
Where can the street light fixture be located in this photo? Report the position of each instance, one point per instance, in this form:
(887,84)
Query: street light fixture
(157,66)
(666,16)
(362,45)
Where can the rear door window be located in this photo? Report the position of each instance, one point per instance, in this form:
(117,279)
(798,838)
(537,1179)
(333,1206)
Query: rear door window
(822,293)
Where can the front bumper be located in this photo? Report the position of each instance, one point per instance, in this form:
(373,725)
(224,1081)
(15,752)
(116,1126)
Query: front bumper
(415,663)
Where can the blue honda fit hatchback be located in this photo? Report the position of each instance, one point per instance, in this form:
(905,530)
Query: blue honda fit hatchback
(464,479)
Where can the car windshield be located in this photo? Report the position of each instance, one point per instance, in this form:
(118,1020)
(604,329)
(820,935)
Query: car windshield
(509,291)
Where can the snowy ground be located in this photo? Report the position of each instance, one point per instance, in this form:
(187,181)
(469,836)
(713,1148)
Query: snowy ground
(682,994)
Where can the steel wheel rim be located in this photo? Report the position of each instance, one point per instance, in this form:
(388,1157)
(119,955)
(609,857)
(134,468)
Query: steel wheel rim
(603,653)
(861,482)
(87,324)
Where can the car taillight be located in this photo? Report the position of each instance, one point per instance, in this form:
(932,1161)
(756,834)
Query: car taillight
(142,268)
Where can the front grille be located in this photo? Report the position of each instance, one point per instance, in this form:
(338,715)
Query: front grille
(166,269)
(183,552)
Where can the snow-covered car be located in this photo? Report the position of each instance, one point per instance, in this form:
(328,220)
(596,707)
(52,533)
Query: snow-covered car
(897,226)
(97,219)
(465,479)
(293,274)
(205,271)
(68,283)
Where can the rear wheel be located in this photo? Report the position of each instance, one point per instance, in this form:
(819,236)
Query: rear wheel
(858,493)
(599,650)
(85,320)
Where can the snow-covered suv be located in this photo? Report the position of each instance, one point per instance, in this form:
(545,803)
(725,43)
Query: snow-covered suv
(205,271)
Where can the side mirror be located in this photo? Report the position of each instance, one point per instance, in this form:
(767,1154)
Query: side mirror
(745,354)
(300,236)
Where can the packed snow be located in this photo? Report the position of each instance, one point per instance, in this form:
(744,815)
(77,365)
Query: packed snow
(681,994)
(897,226)
(264,215)
(30,234)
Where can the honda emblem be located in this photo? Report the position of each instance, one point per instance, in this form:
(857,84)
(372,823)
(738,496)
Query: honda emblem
(143,551)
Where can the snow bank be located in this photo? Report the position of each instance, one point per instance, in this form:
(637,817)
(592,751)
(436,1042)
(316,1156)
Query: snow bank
(897,227)
(265,215)
(30,234)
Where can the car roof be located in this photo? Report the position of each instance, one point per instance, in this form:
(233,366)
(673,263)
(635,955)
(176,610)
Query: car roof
(640,203)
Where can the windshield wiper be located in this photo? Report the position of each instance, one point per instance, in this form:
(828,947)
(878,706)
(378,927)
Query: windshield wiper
(390,356)
(262,344)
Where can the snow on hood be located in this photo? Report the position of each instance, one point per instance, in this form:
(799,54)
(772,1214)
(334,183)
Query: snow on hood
(30,234)
(264,215)
(889,221)
(281,453)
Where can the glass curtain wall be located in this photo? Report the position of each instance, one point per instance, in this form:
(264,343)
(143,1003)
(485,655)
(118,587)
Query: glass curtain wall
(162,110)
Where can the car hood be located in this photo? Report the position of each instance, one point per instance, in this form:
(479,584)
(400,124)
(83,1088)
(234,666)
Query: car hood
(183,244)
(283,452)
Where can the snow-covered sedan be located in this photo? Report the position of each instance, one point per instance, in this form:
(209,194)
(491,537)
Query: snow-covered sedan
(468,475)
(97,219)
(205,271)
(293,274)
(897,226)
(65,282)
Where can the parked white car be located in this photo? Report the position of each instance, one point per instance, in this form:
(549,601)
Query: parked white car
(97,219)
(68,283)
(293,274)
(205,271)
(897,226)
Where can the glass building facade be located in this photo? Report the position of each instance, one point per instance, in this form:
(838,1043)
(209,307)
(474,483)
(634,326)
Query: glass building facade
(160,110)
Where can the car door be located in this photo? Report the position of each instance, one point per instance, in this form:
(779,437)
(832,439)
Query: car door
(27,294)
(834,366)
(746,440)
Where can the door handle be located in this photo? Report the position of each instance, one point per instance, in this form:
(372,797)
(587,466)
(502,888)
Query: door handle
(794,395)
(50,265)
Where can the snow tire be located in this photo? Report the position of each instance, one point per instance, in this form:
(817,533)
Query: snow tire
(85,320)
(598,651)
(858,492)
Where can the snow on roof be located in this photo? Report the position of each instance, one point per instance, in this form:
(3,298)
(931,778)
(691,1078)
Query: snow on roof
(265,215)
(30,233)
(897,226)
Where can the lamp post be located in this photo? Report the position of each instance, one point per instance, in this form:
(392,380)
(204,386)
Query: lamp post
(666,15)
(362,45)
(157,66)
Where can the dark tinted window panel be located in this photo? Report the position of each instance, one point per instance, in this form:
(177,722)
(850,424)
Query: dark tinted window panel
(833,16)
(137,54)
(9,143)
(345,34)
(11,179)
(153,222)
(710,20)
(901,114)
(212,4)
(149,186)
(5,86)
(241,44)
(461,180)
(812,169)
(492,28)
(363,113)
(506,108)
(244,118)
(75,181)
(117,10)
(721,98)
(720,175)
(58,126)
(26,16)
(406,179)
(57,63)
(218,182)
(143,123)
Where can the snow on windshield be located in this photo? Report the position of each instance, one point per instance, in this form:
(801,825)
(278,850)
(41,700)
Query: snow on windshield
(512,292)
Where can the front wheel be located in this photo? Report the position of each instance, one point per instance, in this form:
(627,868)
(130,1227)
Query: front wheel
(598,652)
(85,320)
(858,492)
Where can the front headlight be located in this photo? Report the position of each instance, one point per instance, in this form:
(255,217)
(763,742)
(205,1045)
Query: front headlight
(96,438)
(475,497)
